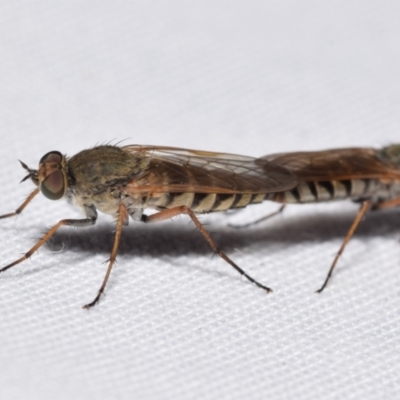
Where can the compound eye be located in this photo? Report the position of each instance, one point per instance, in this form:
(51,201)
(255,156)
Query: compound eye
(51,156)
(53,187)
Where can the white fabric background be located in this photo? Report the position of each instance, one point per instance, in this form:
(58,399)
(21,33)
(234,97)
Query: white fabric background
(248,77)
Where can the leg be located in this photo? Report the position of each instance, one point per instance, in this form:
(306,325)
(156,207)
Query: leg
(166,214)
(364,208)
(22,206)
(386,204)
(78,223)
(257,221)
(122,216)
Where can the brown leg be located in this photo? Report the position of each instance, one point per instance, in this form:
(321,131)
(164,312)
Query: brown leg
(22,206)
(122,215)
(257,221)
(387,204)
(71,222)
(167,214)
(364,208)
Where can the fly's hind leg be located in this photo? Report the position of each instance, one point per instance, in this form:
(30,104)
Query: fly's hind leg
(167,214)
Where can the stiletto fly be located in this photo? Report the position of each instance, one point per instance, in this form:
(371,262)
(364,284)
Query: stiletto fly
(123,181)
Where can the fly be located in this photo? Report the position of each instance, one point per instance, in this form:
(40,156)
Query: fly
(124,181)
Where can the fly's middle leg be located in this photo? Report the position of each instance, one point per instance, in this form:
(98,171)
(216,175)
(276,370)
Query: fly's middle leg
(172,212)
(365,206)
(262,219)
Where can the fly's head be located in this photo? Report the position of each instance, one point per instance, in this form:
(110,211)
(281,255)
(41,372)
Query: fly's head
(51,176)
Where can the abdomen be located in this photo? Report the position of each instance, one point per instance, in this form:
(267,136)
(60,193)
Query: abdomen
(203,202)
(353,189)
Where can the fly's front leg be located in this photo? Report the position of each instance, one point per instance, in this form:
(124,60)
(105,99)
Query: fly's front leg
(91,215)
(122,218)
(167,214)
(22,206)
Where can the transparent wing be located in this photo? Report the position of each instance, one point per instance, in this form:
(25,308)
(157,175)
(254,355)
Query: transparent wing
(170,169)
(335,164)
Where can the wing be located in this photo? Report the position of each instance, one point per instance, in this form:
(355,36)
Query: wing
(170,169)
(336,164)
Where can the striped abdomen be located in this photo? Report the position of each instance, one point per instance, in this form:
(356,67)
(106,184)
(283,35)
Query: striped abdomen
(204,202)
(354,189)
(304,192)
